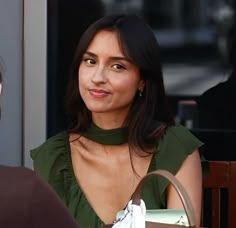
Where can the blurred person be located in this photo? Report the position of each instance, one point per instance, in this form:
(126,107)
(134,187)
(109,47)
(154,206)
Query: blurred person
(216,106)
(28,201)
(120,128)
(217,113)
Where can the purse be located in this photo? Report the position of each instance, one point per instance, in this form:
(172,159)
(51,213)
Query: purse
(135,214)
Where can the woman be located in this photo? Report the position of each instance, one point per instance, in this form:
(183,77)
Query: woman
(120,128)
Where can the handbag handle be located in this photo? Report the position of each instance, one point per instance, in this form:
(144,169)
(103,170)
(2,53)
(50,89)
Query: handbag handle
(178,187)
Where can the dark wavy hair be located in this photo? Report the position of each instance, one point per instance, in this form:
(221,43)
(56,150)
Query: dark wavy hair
(137,42)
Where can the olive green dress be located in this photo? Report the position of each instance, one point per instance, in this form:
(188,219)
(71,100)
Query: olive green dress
(53,162)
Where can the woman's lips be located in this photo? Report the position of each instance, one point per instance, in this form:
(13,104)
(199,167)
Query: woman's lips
(98,93)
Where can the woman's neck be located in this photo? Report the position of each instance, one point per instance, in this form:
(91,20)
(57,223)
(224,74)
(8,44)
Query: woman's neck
(105,121)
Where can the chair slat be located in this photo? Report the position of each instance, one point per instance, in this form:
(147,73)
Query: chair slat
(221,175)
(215,219)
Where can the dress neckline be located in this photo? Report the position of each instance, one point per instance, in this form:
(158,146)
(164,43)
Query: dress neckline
(105,137)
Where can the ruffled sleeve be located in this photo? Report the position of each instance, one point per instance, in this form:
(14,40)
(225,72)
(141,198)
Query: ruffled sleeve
(50,161)
(173,148)
(175,145)
(53,162)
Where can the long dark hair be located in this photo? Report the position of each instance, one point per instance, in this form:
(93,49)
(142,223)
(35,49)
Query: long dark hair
(138,42)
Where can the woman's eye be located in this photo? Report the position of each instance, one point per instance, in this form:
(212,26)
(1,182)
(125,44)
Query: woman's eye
(89,61)
(118,66)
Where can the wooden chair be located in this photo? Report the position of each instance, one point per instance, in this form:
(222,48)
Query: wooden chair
(221,177)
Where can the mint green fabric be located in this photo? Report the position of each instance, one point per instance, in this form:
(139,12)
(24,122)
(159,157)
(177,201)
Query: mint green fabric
(53,162)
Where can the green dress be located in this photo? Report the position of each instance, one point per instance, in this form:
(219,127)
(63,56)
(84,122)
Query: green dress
(53,162)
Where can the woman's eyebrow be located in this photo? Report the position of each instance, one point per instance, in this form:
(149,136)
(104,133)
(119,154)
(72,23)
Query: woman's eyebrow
(90,53)
(121,58)
(112,57)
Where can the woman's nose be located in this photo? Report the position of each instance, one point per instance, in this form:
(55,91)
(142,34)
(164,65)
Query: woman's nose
(99,75)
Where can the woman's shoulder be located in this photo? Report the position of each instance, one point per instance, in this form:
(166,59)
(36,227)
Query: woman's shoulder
(176,143)
(57,141)
(178,137)
(51,155)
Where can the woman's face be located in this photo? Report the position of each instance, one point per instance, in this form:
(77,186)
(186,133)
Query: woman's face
(108,81)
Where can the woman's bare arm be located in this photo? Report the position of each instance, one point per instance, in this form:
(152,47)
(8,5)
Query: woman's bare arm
(190,175)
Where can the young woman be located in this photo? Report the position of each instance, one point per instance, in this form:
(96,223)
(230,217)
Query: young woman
(119,128)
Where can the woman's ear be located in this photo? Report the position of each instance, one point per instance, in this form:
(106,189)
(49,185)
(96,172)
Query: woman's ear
(141,85)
